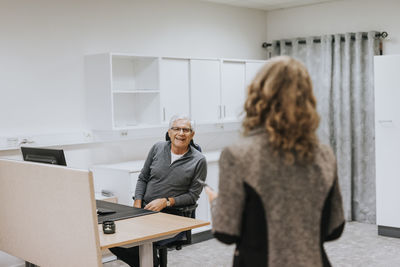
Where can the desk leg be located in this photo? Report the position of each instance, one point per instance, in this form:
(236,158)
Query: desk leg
(146,255)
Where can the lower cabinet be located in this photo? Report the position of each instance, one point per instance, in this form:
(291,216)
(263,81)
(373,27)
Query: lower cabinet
(119,179)
(203,211)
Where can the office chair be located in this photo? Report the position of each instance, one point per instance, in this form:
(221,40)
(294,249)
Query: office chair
(183,238)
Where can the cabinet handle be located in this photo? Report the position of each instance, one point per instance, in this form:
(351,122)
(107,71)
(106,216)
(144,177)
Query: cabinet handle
(163,110)
(219,112)
(224,111)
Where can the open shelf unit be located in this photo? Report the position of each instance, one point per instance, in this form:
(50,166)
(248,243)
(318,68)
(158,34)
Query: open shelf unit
(123,90)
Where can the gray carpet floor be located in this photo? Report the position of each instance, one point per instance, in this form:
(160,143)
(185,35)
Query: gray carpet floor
(359,245)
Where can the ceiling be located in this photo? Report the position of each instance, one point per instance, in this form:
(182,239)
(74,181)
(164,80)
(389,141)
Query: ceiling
(269,4)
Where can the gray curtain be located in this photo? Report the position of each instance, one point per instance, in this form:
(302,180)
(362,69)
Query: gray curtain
(342,74)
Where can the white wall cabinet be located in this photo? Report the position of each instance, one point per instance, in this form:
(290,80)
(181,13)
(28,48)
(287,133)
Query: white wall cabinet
(218,88)
(174,87)
(233,89)
(252,68)
(123,91)
(387,144)
(130,91)
(205,84)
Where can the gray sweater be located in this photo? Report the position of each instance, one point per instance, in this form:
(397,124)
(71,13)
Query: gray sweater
(159,178)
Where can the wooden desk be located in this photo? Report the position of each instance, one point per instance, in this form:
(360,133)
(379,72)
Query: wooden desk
(144,230)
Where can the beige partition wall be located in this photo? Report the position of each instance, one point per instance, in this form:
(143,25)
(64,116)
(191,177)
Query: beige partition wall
(48,214)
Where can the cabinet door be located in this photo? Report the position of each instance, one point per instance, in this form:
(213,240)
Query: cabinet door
(174,87)
(252,68)
(205,87)
(387,144)
(203,211)
(233,90)
(119,182)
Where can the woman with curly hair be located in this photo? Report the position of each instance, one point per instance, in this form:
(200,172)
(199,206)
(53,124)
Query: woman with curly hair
(279,196)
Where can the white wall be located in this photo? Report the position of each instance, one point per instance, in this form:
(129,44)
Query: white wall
(43,42)
(338,17)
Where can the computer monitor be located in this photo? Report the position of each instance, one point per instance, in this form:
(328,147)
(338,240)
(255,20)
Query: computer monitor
(44,155)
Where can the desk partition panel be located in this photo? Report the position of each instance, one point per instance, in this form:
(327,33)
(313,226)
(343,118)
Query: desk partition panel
(48,214)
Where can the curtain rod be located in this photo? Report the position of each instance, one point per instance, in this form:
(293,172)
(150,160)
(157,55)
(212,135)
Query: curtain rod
(380,35)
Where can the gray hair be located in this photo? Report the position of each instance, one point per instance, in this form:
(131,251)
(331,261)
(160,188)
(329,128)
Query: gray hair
(182,117)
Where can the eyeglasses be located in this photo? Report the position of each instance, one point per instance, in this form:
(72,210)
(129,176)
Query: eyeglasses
(184,130)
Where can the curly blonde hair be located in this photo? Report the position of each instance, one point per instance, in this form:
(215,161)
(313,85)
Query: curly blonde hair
(281,99)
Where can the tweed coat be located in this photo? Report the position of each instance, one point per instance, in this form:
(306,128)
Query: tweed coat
(277,214)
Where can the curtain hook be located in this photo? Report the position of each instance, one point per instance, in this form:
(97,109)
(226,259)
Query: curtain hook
(383,35)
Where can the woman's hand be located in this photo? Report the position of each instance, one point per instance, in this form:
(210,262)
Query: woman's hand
(210,193)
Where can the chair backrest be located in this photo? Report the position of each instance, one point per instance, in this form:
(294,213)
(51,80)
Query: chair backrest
(192,143)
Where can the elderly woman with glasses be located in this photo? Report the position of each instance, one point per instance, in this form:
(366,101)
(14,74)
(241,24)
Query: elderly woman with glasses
(170,177)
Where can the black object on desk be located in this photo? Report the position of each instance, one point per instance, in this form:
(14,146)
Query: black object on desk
(121,211)
(108,227)
(102,211)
